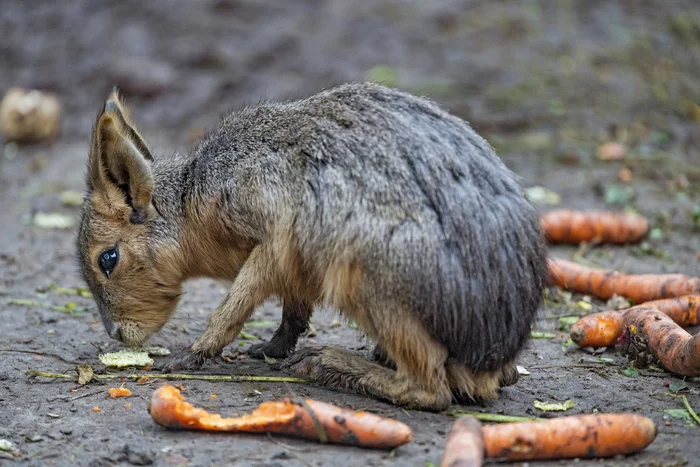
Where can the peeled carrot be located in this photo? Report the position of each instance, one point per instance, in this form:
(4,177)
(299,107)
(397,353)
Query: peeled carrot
(566,226)
(465,444)
(601,435)
(119,392)
(604,328)
(678,351)
(604,283)
(307,419)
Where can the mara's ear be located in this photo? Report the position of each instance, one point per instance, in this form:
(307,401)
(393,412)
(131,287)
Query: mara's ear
(119,171)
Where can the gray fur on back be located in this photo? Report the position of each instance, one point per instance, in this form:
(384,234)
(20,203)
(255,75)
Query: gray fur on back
(437,222)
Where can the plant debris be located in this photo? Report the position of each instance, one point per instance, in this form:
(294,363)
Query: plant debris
(53,220)
(555,406)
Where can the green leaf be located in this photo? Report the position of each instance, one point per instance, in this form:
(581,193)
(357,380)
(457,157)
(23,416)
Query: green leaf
(631,372)
(555,406)
(385,75)
(565,322)
(269,360)
(656,234)
(677,386)
(606,360)
(247,337)
(680,414)
(541,335)
(259,323)
(617,194)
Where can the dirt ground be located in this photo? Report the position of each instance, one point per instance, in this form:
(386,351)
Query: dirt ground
(544,82)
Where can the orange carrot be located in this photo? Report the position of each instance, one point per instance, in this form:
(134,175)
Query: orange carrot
(465,444)
(307,419)
(604,328)
(604,283)
(566,226)
(678,351)
(601,435)
(119,392)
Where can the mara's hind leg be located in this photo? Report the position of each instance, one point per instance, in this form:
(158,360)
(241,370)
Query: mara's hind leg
(295,321)
(419,381)
(468,387)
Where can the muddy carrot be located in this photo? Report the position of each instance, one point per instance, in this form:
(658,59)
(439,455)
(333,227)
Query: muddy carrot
(119,392)
(307,419)
(604,283)
(604,328)
(566,226)
(465,444)
(600,435)
(678,351)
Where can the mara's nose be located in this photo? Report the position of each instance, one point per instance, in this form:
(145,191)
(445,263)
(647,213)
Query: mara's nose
(116,333)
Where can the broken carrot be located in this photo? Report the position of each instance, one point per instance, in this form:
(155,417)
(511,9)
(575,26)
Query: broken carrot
(649,329)
(307,419)
(604,328)
(600,435)
(465,444)
(119,392)
(604,283)
(566,226)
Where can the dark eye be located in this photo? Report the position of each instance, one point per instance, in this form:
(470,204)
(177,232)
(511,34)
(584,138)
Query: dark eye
(108,260)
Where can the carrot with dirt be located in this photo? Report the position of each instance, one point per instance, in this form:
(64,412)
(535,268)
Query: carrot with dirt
(465,444)
(648,331)
(604,283)
(567,226)
(305,418)
(600,435)
(603,329)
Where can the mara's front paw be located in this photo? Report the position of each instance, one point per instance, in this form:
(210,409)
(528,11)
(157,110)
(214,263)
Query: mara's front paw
(184,361)
(274,349)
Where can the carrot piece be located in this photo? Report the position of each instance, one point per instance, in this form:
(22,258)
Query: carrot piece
(119,392)
(307,419)
(465,444)
(566,226)
(678,351)
(604,283)
(604,328)
(601,435)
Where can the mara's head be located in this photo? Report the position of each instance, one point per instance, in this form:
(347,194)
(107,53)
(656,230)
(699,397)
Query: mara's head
(121,249)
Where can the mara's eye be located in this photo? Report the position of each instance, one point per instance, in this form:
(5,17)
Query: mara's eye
(108,260)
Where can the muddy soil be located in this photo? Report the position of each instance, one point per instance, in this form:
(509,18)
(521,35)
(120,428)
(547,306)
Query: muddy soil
(544,82)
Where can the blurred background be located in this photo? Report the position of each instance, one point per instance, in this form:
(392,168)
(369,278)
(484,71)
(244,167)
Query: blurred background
(594,103)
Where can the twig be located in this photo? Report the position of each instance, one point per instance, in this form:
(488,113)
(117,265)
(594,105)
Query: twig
(497,418)
(690,410)
(175,376)
(36,352)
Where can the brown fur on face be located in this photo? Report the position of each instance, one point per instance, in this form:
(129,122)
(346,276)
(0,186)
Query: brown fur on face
(140,294)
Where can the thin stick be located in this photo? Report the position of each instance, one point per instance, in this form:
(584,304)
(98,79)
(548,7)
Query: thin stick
(175,376)
(494,417)
(690,410)
(45,354)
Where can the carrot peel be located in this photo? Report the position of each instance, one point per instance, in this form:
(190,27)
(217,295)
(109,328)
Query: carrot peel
(119,392)
(308,419)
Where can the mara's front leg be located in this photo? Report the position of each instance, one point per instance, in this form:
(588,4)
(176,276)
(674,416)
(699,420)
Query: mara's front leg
(295,321)
(254,283)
